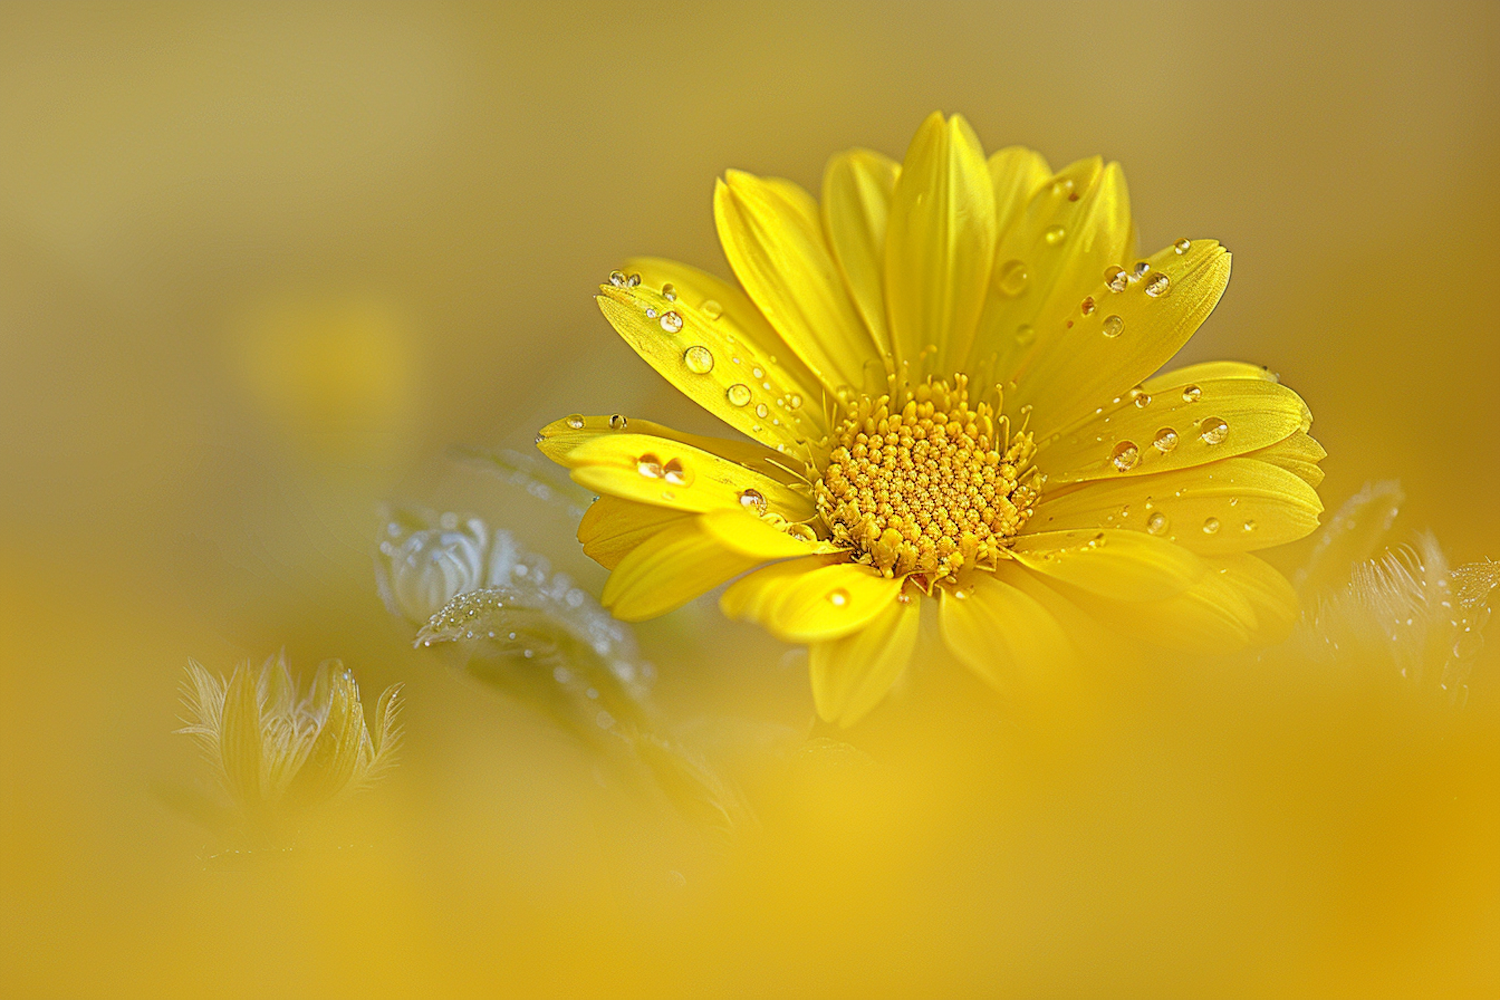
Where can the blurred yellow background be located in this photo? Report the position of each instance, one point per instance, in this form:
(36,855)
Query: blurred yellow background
(262,265)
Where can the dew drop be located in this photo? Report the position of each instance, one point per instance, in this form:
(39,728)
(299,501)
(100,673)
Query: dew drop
(762,411)
(650,313)
(1011,278)
(1157,286)
(617,422)
(1156,524)
(758,372)
(617,278)
(699,359)
(1165,440)
(633,281)
(1054,235)
(669,293)
(1088,306)
(1115,279)
(1182,246)
(1063,187)
(1142,400)
(712,309)
(1190,393)
(794,402)
(649,466)
(838,597)
(575,421)
(674,473)
(738,394)
(1025,335)
(1112,326)
(1125,456)
(754,500)
(1211,526)
(1248,526)
(671,321)
(1139,270)
(1213,430)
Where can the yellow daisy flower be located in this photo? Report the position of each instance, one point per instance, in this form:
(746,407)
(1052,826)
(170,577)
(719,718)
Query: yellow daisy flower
(945,372)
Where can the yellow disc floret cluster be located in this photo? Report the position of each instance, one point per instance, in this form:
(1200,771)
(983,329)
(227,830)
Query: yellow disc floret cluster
(927,487)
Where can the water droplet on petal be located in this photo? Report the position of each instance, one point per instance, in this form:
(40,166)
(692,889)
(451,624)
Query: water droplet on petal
(1025,335)
(1249,526)
(1054,235)
(1115,279)
(738,394)
(762,411)
(1211,526)
(1213,430)
(754,500)
(794,402)
(1063,187)
(1112,326)
(617,422)
(1142,401)
(1088,306)
(699,359)
(1125,456)
(633,281)
(1157,286)
(649,465)
(1156,524)
(575,421)
(1139,270)
(669,293)
(1165,440)
(1190,393)
(671,321)
(1182,246)
(838,597)
(712,309)
(650,313)
(674,473)
(1011,278)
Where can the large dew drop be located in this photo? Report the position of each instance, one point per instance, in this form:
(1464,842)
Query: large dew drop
(712,309)
(1190,393)
(674,472)
(699,359)
(1182,246)
(1211,526)
(737,394)
(1213,430)
(1165,440)
(1157,523)
(671,321)
(649,465)
(617,422)
(1125,456)
(1157,286)
(1116,279)
(1011,278)
(1113,325)
(753,500)
(575,421)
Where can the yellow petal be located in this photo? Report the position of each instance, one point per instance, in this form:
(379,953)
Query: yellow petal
(1212,616)
(773,239)
(857,189)
(1051,256)
(1178,427)
(679,563)
(745,532)
(672,474)
(803,601)
(1123,565)
(1016,173)
(743,388)
(558,439)
(1233,505)
(939,245)
(1124,338)
(1206,371)
(1269,593)
(611,528)
(1004,635)
(851,675)
(1299,454)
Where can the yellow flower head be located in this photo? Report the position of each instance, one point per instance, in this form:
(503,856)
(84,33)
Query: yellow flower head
(277,750)
(946,371)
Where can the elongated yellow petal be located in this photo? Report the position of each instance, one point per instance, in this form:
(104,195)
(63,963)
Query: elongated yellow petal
(1050,257)
(1211,616)
(939,245)
(672,474)
(1299,454)
(1122,565)
(851,675)
(1121,337)
(857,189)
(1177,427)
(612,528)
(1269,594)
(1004,635)
(679,563)
(1206,371)
(1233,505)
(558,439)
(745,389)
(745,532)
(803,601)
(1016,173)
(772,236)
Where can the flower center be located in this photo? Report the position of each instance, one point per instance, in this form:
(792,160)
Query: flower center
(928,487)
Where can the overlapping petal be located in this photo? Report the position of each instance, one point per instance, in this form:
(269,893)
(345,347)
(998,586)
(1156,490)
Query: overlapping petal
(852,674)
(1003,634)
(810,600)
(857,190)
(682,561)
(1124,565)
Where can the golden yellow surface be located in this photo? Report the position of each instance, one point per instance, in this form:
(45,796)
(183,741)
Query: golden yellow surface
(262,266)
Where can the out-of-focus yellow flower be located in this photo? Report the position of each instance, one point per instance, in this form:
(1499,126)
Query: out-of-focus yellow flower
(946,373)
(277,750)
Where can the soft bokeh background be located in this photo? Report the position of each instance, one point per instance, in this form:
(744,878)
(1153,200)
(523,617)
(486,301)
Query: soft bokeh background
(262,265)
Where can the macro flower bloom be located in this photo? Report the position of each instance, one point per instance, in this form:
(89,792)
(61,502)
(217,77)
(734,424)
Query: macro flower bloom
(277,750)
(947,373)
